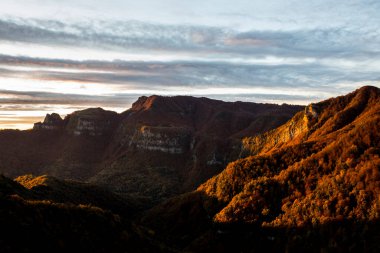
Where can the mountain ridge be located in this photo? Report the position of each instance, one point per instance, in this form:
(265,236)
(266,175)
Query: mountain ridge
(310,184)
(305,122)
(326,174)
(186,139)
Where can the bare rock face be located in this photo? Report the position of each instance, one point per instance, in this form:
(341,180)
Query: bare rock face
(160,147)
(165,139)
(319,170)
(92,121)
(294,130)
(311,114)
(51,122)
(180,142)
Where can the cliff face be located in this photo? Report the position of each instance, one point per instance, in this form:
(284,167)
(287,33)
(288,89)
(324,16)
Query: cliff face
(294,131)
(160,147)
(317,176)
(70,148)
(311,184)
(337,159)
(165,139)
(185,140)
(92,121)
(314,121)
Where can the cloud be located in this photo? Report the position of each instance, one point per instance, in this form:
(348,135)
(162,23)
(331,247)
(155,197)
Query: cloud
(22,109)
(16,99)
(125,75)
(109,35)
(107,54)
(198,57)
(199,41)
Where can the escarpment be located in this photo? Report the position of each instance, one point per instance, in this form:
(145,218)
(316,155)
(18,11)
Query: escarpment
(165,139)
(316,176)
(92,121)
(294,130)
(175,165)
(159,147)
(187,140)
(323,118)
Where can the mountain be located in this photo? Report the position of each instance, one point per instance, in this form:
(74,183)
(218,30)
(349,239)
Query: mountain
(44,214)
(63,191)
(312,184)
(168,145)
(90,122)
(160,147)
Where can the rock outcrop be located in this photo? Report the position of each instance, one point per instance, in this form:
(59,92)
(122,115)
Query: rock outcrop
(294,130)
(165,139)
(51,122)
(158,148)
(311,183)
(92,121)
(187,140)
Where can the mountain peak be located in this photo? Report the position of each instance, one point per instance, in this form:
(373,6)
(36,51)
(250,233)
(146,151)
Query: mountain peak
(144,102)
(51,122)
(94,111)
(368,88)
(367,93)
(318,119)
(53,118)
(92,121)
(163,102)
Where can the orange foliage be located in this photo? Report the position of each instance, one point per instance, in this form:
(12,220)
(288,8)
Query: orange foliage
(331,175)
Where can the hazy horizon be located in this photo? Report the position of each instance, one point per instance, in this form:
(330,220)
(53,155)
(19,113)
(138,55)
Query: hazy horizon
(64,56)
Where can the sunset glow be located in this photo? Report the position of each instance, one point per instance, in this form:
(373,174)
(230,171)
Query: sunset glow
(54,57)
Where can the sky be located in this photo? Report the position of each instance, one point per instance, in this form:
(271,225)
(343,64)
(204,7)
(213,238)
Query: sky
(62,56)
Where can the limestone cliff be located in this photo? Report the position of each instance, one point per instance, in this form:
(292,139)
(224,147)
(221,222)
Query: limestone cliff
(323,181)
(315,120)
(158,148)
(171,140)
(92,121)
(180,142)
(294,130)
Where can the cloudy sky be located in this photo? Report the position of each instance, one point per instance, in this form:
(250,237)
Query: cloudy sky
(67,55)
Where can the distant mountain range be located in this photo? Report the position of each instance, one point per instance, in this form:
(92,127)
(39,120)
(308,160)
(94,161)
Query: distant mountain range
(184,174)
(160,147)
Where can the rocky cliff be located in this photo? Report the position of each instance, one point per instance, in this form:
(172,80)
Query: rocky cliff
(92,121)
(307,124)
(337,158)
(165,139)
(312,183)
(51,122)
(160,147)
(295,130)
(187,140)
